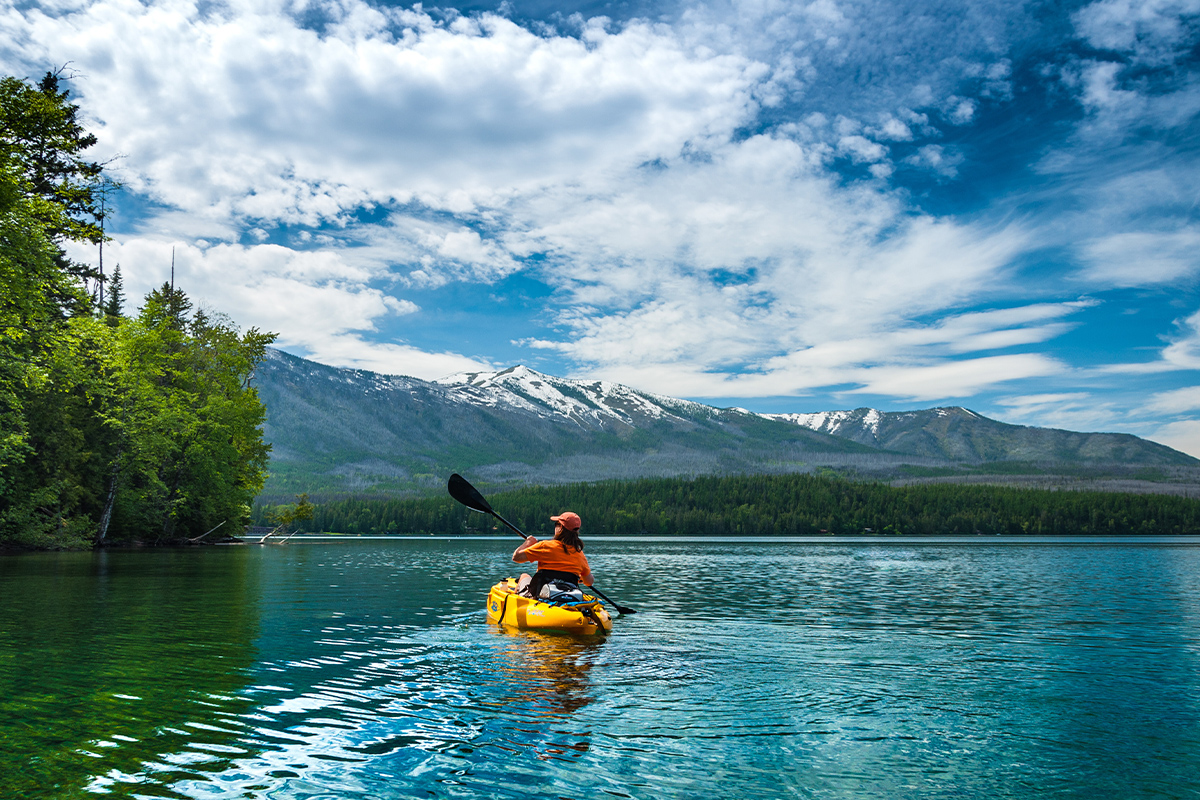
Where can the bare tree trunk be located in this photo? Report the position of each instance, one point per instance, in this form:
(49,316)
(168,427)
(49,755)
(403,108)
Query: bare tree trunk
(210,530)
(278,528)
(106,517)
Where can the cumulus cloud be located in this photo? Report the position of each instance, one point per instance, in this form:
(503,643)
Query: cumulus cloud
(244,113)
(318,302)
(936,158)
(714,198)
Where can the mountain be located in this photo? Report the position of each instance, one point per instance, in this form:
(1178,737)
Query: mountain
(957,434)
(340,431)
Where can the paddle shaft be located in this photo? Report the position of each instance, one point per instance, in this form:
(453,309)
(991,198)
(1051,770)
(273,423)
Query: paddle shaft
(511,527)
(620,608)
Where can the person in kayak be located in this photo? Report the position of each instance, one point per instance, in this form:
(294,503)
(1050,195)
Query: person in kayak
(560,558)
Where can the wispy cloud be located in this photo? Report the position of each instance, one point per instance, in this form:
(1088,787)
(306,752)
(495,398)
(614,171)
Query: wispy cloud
(1182,352)
(1066,410)
(1176,401)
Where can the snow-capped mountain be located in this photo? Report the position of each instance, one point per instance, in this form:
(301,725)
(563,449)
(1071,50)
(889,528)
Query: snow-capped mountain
(836,423)
(588,403)
(338,431)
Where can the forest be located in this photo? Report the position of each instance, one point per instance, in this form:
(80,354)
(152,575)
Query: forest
(770,505)
(113,427)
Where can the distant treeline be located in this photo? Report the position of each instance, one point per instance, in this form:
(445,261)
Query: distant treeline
(768,505)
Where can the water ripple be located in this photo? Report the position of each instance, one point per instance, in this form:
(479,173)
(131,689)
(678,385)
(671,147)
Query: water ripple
(770,670)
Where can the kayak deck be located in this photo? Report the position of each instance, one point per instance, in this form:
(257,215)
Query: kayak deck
(506,607)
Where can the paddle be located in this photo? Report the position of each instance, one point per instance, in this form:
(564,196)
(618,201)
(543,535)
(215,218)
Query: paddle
(462,491)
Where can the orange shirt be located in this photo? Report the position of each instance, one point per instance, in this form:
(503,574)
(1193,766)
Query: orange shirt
(553,554)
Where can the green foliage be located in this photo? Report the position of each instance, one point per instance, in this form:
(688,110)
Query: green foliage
(186,422)
(41,135)
(770,505)
(284,517)
(114,304)
(110,428)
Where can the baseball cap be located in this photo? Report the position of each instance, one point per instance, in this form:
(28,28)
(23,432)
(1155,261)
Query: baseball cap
(569,520)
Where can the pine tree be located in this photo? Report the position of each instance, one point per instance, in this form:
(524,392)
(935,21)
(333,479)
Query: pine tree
(114,303)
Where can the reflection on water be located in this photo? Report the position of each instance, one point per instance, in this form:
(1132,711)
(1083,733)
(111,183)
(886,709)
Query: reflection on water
(367,669)
(545,676)
(120,670)
(547,672)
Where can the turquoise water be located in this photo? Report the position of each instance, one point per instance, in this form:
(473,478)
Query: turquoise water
(751,670)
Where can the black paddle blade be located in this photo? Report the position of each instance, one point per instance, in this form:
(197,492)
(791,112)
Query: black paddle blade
(468,495)
(622,610)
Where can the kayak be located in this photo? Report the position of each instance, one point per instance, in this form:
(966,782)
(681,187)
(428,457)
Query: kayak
(506,607)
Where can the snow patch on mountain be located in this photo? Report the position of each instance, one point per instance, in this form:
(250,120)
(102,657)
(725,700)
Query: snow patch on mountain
(590,402)
(837,423)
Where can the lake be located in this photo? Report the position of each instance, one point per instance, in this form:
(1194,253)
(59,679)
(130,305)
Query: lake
(753,669)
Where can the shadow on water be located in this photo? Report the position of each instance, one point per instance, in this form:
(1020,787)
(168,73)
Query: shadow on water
(121,672)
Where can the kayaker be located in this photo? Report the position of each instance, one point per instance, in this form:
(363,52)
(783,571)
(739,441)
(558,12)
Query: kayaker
(560,558)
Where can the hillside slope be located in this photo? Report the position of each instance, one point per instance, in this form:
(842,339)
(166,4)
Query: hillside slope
(338,431)
(958,434)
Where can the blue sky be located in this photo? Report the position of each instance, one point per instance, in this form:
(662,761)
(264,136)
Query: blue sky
(781,206)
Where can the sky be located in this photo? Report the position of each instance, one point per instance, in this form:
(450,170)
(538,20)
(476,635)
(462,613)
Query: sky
(787,207)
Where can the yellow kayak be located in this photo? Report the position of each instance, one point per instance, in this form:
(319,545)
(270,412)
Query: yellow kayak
(506,607)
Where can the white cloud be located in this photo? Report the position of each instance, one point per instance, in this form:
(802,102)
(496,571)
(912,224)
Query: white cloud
(612,163)
(1183,435)
(1176,401)
(956,378)
(316,301)
(755,259)
(1140,258)
(893,129)
(1181,353)
(1154,30)
(936,158)
(1079,411)
(862,149)
(1184,351)
(1129,182)
(961,110)
(244,114)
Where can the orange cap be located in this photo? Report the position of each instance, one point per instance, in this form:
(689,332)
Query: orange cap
(569,520)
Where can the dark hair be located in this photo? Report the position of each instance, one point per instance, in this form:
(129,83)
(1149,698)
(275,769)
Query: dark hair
(570,538)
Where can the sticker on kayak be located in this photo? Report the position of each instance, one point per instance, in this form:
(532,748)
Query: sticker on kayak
(495,607)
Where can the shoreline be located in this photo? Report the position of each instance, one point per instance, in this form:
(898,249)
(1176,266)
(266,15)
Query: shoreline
(884,540)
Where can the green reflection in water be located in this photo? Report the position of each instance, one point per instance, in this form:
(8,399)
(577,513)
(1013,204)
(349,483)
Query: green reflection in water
(122,671)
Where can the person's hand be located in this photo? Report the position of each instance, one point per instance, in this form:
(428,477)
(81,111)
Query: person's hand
(530,541)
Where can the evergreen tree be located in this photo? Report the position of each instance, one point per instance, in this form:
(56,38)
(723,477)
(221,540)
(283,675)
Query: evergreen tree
(40,131)
(786,505)
(115,301)
(144,429)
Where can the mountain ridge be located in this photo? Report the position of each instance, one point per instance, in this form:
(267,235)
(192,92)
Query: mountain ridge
(344,431)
